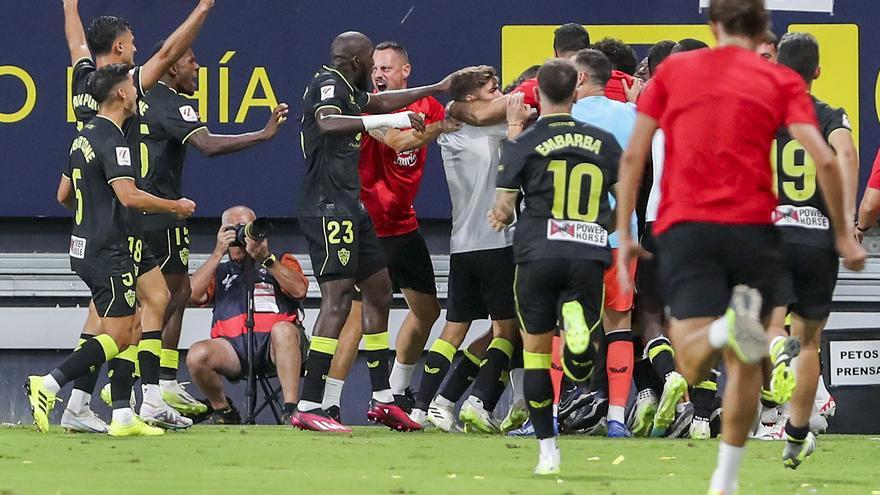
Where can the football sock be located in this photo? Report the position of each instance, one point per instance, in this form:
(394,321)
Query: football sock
(401,377)
(516,384)
(729,459)
(437,363)
(92,353)
(321,351)
(464,373)
(718,333)
(149,352)
(703,396)
(85,383)
(492,369)
(168,361)
(659,352)
(376,345)
(599,378)
(796,434)
(642,372)
(122,377)
(332,393)
(578,367)
(539,393)
(619,367)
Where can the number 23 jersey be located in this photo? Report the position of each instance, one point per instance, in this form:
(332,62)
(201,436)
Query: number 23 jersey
(565,169)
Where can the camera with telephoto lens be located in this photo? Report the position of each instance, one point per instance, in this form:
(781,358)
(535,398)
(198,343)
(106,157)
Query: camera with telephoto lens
(257,230)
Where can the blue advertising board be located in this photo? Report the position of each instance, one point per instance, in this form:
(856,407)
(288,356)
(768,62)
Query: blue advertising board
(254,54)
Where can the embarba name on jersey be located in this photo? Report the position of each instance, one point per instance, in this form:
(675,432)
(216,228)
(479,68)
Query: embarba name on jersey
(569,140)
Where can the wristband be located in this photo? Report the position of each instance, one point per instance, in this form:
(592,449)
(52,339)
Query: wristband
(269,261)
(399,120)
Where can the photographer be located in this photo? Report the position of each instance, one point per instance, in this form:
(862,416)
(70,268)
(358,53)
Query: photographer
(279,340)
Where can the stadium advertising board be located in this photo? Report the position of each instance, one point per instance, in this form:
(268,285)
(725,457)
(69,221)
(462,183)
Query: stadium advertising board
(253,58)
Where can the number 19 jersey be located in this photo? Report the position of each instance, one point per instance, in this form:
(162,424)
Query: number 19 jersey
(565,169)
(802,214)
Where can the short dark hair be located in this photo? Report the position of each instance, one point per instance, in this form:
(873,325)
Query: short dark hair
(740,17)
(529,73)
(621,55)
(102,82)
(596,63)
(658,53)
(688,45)
(771,39)
(103,31)
(393,45)
(557,79)
(570,37)
(469,80)
(800,52)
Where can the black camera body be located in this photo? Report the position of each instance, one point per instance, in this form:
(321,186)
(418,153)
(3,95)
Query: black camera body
(257,230)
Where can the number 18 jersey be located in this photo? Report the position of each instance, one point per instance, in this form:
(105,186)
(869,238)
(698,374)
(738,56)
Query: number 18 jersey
(565,169)
(802,214)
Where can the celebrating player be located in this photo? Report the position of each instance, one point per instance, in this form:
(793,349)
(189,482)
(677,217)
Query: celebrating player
(111,41)
(342,241)
(561,240)
(104,196)
(719,253)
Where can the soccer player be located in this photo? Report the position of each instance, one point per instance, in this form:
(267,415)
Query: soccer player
(342,241)
(623,67)
(391,166)
(110,40)
(565,170)
(594,108)
(169,124)
(719,253)
(104,197)
(811,262)
(480,262)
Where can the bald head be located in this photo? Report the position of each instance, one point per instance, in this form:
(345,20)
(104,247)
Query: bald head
(238,215)
(352,53)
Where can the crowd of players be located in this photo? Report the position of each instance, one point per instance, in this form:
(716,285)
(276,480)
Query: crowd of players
(662,282)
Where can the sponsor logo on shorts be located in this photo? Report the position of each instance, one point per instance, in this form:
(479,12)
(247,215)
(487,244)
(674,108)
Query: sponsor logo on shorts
(574,231)
(805,217)
(130,297)
(184,256)
(77,247)
(344,255)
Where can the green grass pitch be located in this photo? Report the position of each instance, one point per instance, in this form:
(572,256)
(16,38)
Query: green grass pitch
(267,460)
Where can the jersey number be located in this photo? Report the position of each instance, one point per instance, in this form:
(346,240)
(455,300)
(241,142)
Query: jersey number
(334,228)
(136,248)
(567,201)
(797,165)
(77,175)
(181,234)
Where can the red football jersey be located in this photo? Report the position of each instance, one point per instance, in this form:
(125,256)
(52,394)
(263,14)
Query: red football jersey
(390,180)
(874,180)
(720,110)
(614,86)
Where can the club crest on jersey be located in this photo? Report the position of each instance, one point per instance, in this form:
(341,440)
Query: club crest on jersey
(328,92)
(574,231)
(188,113)
(184,256)
(130,297)
(123,156)
(344,255)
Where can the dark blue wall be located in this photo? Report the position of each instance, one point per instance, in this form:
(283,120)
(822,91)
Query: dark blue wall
(290,39)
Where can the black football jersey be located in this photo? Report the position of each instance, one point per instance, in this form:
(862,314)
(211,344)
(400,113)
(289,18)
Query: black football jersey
(802,214)
(331,185)
(99,155)
(565,169)
(168,120)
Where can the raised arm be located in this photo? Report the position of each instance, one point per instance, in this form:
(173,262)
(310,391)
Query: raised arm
(204,276)
(132,197)
(74,32)
(410,139)
(175,45)
(480,112)
(830,180)
(219,144)
(331,121)
(389,101)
